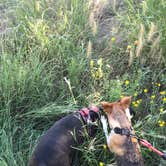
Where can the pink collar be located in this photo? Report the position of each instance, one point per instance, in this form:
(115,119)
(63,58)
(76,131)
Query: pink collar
(85,111)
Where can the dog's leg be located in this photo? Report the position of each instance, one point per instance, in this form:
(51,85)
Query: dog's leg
(105,129)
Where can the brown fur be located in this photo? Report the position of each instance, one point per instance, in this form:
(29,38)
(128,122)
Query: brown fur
(127,151)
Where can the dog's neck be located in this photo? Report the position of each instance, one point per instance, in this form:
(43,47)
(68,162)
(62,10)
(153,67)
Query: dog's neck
(132,156)
(127,151)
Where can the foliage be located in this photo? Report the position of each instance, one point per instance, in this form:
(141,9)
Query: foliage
(49,65)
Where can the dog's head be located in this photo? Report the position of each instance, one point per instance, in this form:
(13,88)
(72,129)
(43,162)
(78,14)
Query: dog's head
(91,117)
(125,147)
(118,113)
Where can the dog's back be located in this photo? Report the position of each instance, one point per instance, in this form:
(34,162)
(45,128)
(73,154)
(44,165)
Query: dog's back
(54,148)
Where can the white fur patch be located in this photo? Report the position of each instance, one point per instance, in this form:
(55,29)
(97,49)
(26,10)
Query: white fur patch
(105,129)
(127,111)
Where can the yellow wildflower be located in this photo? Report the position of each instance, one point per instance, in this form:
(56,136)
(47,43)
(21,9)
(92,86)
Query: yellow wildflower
(145,90)
(127,82)
(136,105)
(164,99)
(101,164)
(121,96)
(100,62)
(97,74)
(158,84)
(139,101)
(161,109)
(100,73)
(104,146)
(162,93)
(136,42)
(113,39)
(135,94)
(129,47)
(91,63)
(161,123)
(133,102)
(153,96)
(93,74)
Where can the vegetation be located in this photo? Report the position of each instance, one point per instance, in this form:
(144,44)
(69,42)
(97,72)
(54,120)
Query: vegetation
(49,65)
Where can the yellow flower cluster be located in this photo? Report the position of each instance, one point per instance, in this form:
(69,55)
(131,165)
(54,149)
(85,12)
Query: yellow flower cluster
(137,103)
(161,123)
(96,72)
(162,93)
(153,97)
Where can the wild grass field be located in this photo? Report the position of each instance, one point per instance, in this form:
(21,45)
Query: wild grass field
(52,62)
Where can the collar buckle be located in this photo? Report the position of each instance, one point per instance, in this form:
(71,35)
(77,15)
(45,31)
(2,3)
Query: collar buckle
(122,131)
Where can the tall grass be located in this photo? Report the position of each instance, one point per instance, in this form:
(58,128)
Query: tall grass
(47,41)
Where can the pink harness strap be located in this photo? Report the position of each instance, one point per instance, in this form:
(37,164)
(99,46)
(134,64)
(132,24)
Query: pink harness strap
(85,111)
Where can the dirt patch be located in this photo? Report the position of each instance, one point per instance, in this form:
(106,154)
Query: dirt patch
(104,21)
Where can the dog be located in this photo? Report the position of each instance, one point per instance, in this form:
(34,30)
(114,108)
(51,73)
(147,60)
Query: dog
(55,146)
(127,149)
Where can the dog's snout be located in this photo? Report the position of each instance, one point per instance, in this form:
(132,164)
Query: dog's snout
(94,115)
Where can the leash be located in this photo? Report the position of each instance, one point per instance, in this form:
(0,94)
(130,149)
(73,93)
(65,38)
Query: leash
(126,132)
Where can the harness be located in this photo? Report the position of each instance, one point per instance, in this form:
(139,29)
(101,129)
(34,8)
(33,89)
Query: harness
(84,112)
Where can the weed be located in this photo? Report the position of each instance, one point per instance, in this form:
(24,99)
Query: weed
(50,63)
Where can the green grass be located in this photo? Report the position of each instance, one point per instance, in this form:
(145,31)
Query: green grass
(49,41)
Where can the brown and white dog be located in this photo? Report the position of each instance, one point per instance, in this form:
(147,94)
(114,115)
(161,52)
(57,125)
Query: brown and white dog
(126,148)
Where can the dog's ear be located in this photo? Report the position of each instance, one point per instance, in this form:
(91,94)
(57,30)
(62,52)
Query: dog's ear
(126,101)
(107,107)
